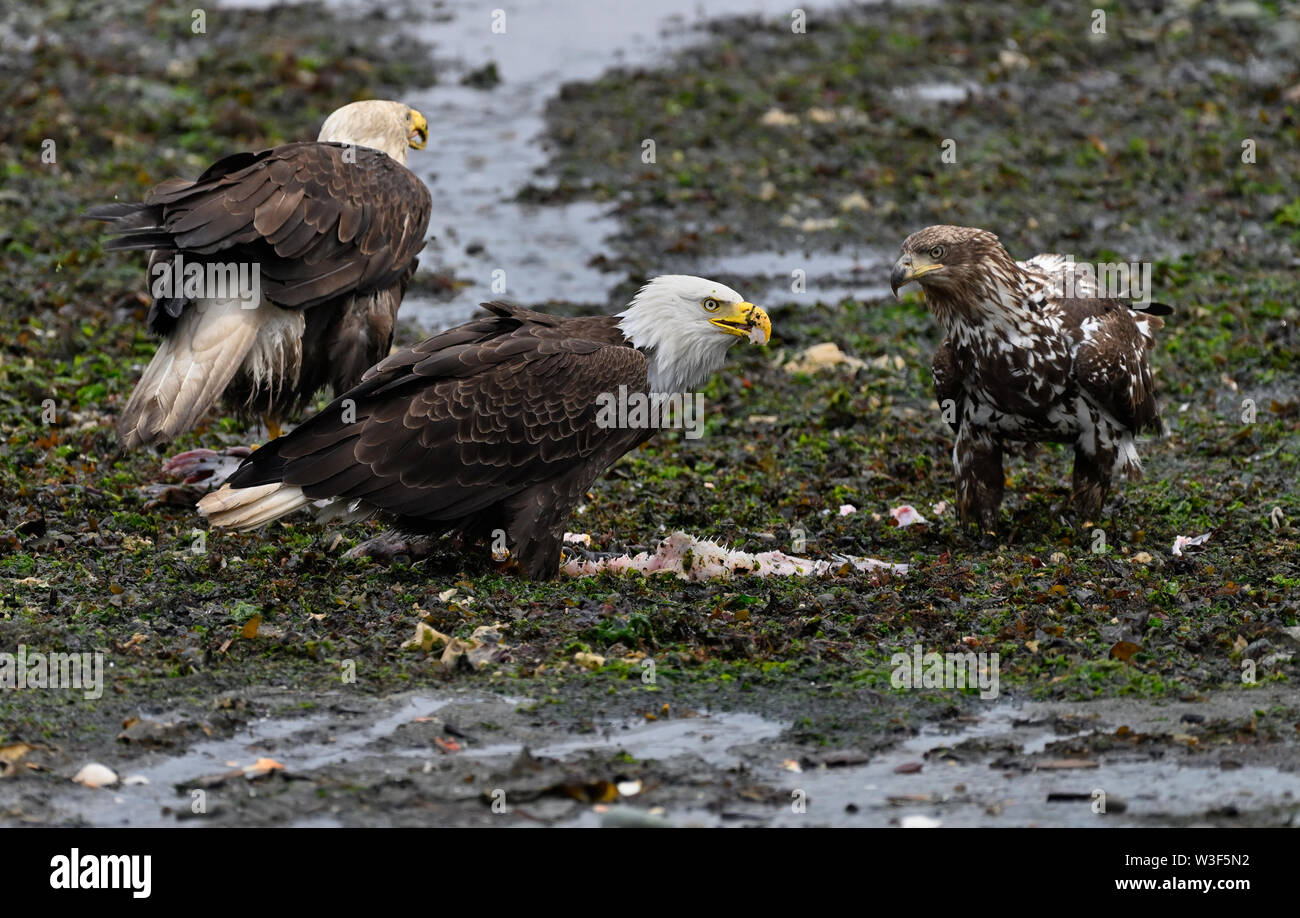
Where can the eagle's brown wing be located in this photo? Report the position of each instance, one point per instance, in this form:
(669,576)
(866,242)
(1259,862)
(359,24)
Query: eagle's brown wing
(1111,365)
(466,420)
(319,219)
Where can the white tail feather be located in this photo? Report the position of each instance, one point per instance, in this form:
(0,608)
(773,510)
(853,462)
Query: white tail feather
(212,340)
(248,508)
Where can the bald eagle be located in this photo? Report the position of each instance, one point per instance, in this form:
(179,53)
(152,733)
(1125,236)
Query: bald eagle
(275,273)
(1024,361)
(494,429)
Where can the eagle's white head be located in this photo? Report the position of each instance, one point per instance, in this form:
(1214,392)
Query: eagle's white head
(685,324)
(391,127)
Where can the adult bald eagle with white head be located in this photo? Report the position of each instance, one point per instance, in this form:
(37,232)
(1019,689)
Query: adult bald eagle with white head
(328,229)
(494,425)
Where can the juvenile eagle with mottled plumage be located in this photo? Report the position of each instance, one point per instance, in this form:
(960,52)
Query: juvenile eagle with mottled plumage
(1022,361)
(332,227)
(493,428)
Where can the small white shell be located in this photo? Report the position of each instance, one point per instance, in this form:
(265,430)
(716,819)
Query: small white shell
(95,775)
(917,821)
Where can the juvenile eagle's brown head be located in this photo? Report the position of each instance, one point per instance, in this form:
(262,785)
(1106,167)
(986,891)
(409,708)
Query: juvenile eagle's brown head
(957,262)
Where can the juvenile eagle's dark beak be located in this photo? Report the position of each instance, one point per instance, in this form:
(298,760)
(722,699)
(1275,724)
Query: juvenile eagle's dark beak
(906,270)
(901,274)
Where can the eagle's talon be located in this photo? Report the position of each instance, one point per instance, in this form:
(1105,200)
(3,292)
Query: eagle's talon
(573,553)
(393,548)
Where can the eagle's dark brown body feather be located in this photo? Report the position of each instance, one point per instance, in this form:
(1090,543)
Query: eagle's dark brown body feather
(488,426)
(1022,363)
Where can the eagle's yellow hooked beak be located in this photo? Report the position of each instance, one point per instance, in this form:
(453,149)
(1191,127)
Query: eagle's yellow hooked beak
(418,137)
(745,320)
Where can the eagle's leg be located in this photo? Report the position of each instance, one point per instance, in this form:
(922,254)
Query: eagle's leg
(273,428)
(1092,471)
(393,546)
(977,461)
(536,523)
(537,555)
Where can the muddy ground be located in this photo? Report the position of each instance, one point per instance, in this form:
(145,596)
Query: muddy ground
(769,701)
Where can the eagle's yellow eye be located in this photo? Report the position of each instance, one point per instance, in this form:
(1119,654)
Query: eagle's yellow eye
(712,305)
(937,252)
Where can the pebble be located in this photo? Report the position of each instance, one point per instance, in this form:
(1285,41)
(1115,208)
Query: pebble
(95,775)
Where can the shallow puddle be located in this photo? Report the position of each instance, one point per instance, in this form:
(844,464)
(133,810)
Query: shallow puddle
(487,145)
(965,789)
